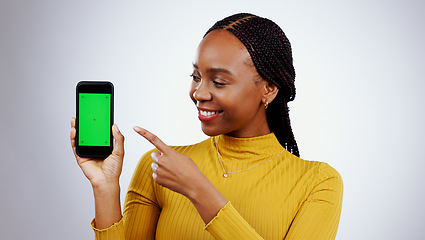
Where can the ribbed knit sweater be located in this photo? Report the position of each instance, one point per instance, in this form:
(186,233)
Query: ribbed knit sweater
(282,198)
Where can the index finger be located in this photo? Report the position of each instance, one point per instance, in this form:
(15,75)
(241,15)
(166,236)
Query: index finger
(152,138)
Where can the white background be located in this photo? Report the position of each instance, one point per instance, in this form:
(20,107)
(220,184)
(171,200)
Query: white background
(359,104)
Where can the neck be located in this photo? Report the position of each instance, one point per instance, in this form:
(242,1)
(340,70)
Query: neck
(255,131)
(259,148)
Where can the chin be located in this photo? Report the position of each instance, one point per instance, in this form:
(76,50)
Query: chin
(211,131)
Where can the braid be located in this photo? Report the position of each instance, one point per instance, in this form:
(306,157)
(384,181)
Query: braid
(271,54)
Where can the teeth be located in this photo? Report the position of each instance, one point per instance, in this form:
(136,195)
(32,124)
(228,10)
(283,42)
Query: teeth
(206,113)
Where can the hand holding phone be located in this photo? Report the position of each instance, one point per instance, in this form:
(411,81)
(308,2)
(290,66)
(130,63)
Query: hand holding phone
(92,133)
(99,170)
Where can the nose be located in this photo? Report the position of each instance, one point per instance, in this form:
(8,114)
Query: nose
(202,92)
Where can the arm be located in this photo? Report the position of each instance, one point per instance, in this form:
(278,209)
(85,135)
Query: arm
(319,215)
(141,209)
(104,174)
(179,173)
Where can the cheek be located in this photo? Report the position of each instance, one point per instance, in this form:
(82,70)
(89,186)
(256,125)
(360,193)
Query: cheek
(240,102)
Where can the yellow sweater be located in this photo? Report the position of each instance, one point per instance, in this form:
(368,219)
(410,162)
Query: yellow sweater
(285,198)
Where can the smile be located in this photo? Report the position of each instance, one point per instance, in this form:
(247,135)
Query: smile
(207,113)
(206,116)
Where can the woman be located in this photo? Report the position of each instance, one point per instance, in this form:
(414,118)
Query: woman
(246,181)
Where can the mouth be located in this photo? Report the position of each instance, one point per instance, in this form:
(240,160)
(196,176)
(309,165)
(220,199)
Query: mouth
(208,115)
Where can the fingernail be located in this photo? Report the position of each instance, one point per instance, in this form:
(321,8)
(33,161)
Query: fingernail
(154,166)
(154,158)
(136,129)
(154,176)
(116,128)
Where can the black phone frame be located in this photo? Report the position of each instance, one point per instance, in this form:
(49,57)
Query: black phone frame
(94,87)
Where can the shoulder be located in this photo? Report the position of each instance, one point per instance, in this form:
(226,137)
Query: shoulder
(315,173)
(327,182)
(327,175)
(320,181)
(325,171)
(320,169)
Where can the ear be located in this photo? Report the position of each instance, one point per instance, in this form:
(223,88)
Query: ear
(270,92)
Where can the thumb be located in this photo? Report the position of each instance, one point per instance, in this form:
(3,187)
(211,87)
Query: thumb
(119,141)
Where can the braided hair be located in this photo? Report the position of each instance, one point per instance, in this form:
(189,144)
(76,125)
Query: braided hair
(271,54)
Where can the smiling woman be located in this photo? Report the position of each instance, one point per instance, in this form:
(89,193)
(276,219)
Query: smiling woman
(246,181)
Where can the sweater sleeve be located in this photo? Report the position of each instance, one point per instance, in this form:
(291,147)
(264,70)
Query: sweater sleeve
(141,209)
(317,218)
(319,215)
(115,231)
(229,224)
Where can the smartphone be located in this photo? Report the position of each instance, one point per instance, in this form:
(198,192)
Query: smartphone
(95,117)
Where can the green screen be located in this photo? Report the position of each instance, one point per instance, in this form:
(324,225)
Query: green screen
(94,119)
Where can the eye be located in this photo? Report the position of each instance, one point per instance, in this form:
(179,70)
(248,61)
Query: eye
(218,84)
(195,78)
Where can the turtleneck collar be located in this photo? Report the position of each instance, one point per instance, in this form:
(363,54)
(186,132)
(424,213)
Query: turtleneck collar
(254,149)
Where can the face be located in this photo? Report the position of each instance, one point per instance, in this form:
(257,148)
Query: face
(227,89)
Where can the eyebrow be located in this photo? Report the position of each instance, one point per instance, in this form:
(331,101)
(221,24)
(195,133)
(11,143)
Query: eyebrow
(215,70)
